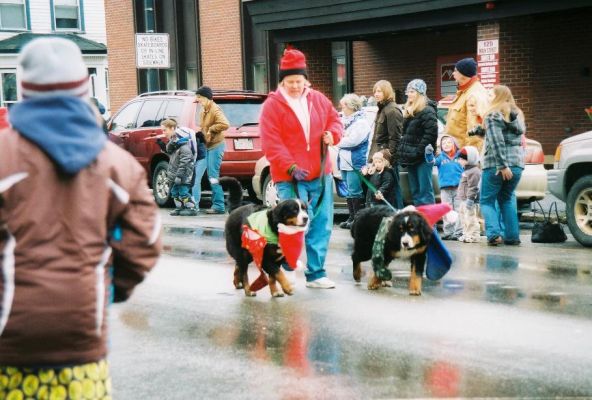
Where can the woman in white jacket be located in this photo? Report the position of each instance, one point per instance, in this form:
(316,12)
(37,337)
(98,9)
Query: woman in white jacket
(352,152)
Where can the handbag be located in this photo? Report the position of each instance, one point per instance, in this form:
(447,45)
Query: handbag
(548,231)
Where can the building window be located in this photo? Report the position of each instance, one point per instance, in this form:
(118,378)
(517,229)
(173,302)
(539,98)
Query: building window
(339,70)
(13,14)
(260,77)
(67,14)
(8,95)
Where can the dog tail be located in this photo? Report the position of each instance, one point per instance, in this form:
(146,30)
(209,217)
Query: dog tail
(235,191)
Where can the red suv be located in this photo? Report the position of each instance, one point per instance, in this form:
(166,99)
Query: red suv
(136,126)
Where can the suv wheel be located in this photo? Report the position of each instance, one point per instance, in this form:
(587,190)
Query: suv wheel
(160,186)
(270,196)
(579,210)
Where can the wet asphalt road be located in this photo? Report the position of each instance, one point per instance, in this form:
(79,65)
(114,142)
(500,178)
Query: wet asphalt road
(505,322)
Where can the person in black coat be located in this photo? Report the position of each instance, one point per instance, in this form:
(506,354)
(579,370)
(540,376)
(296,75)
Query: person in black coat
(381,176)
(420,132)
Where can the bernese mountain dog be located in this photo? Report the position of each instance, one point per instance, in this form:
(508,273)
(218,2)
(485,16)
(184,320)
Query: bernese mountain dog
(405,235)
(292,212)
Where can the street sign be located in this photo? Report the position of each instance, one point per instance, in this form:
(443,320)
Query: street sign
(488,62)
(152,50)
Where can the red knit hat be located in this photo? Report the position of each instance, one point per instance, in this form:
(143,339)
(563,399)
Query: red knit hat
(293,62)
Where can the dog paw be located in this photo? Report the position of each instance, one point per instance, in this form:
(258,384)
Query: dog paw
(278,294)
(373,287)
(238,285)
(387,283)
(415,293)
(250,294)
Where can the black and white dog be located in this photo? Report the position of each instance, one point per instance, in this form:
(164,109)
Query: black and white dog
(406,236)
(288,212)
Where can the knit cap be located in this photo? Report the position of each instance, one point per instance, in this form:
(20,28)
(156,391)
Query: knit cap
(293,62)
(467,67)
(469,153)
(52,66)
(205,91)
(418,85)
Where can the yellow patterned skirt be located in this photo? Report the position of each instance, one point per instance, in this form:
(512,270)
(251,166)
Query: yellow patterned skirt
(88,381)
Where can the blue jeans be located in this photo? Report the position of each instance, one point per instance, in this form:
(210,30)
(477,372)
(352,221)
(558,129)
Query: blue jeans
(214,162)
(179,191)
(200,168)
(420,183)
(321,221)
(493,188)
(354,184)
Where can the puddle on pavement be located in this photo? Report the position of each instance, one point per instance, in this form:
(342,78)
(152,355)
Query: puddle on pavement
(310,348)
(195,253)
(194,231)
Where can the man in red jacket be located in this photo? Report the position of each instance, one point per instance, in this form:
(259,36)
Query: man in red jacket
(297,123)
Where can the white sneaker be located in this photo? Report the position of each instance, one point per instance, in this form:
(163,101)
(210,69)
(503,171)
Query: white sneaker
(321,283)
(291,276)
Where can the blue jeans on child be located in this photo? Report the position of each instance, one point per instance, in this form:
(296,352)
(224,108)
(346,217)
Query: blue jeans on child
(493,188)
(214,162)
(179,191)
(354,184)
(321,220)
(420,183)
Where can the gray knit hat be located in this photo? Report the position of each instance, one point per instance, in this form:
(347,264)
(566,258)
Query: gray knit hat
(418,85)
(52,66)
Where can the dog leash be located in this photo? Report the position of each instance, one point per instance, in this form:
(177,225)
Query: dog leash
(372,188)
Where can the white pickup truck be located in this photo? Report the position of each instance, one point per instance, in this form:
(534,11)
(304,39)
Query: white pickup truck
(571,181)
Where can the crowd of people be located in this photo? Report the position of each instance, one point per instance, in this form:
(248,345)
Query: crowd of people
(479,155)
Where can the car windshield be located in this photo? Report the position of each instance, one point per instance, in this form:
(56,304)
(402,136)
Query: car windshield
(241,112)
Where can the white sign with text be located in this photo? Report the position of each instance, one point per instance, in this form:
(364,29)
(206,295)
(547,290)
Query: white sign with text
(152,50)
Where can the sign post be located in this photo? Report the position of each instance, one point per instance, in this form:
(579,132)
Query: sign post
(488,62)
(152,50)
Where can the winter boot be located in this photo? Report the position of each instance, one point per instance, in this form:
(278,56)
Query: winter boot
(176,211)
(357,205)
(350,219)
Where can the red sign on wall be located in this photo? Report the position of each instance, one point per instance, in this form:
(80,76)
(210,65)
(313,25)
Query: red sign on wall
(488,62)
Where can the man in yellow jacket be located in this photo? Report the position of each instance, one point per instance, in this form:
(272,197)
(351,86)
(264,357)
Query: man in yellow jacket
(459,121)
(212,123)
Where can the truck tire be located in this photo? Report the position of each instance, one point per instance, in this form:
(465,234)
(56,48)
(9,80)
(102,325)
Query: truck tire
(160,186)
(578,207)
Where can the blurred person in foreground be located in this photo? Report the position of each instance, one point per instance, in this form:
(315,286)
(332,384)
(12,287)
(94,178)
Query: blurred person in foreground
(76,220)
(297,124)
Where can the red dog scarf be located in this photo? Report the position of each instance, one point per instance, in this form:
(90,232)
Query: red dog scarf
(290,240)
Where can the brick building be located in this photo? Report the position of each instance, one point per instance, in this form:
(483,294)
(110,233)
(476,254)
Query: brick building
(540,48)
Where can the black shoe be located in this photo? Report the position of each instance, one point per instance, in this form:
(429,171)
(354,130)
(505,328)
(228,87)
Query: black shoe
(214,211)
(495,241)
(188,212)
(176,211)
(346,225)
(515,242)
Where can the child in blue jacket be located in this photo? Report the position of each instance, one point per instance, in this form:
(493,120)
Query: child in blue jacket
(449,173)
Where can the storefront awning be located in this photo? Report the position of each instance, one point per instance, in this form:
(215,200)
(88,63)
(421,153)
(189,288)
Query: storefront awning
(14,44)
(291,20)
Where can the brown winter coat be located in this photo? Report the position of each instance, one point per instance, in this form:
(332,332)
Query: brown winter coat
(213,123)
(55,250)
(388,128)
